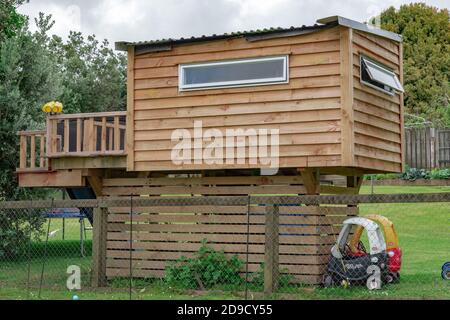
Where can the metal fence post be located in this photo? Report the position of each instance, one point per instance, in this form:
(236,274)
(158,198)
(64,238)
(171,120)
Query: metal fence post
(271,269)
(99,248)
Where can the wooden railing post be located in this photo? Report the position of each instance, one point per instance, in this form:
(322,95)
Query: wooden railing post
(66,136)
(271,268)
(116,133)
(32,151)
(103,136)
(99,248)
(42,151)
(23,152)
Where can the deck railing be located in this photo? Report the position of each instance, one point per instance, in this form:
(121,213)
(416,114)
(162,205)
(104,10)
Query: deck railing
(73,135)
(86,135)
(33,150)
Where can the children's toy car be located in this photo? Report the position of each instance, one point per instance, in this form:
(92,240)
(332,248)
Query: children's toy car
(392,245)
(354,266)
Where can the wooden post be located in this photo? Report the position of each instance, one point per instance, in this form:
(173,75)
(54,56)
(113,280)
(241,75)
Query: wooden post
(33,151)
(42,152)
(66,136)
(116,134)
(103,136)
(99,248)
(23,152)
(78,135)
(271,269)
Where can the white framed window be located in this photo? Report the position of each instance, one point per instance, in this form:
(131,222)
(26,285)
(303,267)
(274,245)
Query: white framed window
(234,73)
(379,77)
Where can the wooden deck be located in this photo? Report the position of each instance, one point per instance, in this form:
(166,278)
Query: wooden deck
(72,145)
(77,139)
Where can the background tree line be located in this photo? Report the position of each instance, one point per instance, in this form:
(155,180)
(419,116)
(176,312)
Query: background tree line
(87,76)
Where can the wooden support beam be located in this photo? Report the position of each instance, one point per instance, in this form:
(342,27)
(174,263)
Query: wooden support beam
(99,248)
(96,184)
(271,253)
(49,179)
(311,180)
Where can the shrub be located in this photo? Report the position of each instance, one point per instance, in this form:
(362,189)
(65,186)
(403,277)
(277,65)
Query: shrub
(413,174)
(440,174)
(15,230)
(207,269)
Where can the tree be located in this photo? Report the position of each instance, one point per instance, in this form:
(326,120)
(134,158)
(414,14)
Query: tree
(28,78)
(11,21)
(426,36)
(93,75)
(85,75)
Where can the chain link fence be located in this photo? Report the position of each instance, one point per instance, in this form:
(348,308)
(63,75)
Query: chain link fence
(283,247)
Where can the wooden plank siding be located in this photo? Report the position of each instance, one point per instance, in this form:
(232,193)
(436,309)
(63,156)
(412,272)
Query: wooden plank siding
(307,110)
(163,234)
(378,117)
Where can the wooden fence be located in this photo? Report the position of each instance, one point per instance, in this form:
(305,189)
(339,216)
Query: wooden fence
(427,148)
(290,234)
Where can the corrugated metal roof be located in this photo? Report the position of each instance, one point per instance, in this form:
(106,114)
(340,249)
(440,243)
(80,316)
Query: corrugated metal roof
(253,35)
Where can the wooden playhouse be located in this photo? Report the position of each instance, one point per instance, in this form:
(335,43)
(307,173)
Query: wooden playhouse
(333,92)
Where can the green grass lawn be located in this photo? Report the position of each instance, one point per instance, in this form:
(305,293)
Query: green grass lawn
(424,238)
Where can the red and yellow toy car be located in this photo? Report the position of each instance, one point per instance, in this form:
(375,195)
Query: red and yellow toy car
(392,245)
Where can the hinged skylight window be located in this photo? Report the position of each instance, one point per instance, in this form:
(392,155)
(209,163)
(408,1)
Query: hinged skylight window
(379,77)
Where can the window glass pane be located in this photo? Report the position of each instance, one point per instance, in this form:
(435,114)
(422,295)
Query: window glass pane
(380,77)
(254,71)
(384,76)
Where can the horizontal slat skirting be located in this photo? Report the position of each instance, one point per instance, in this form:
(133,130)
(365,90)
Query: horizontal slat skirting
(124,182)
(114,273)
(227,248)
(252,267)
(224,219)
(254,209)
(120,191)
(217,238)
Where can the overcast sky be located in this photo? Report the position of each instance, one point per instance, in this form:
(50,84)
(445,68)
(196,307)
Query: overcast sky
(134,20)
